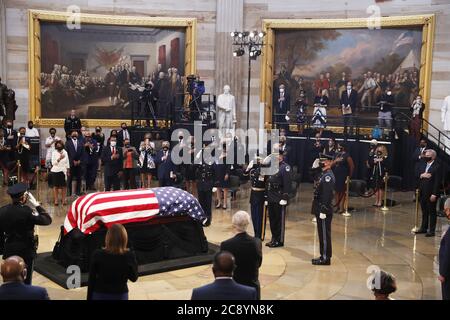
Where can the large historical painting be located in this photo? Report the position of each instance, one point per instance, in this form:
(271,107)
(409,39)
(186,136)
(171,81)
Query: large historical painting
(373,60)
(99,69)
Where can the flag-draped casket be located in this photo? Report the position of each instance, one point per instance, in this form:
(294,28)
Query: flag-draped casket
(162,223)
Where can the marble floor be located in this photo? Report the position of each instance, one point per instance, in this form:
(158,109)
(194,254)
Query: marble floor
(368,238)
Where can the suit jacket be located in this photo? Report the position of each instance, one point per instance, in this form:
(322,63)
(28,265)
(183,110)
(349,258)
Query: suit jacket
(21,291)
(287,151)
(444,256)
(247,251)
(164,167)
(73,154)
(112,167)
(417,162)
(120,137)
(10,142)
(430,186)
(284,106)
(224,289)
(349,100)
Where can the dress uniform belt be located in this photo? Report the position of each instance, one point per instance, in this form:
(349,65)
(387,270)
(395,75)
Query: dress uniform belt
(258,189)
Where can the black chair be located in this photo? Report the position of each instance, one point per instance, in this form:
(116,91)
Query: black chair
(235,182)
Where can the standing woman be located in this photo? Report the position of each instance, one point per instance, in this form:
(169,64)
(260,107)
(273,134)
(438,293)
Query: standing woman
(319,119)
(190,169)
(112,267)
(222,174)
(146,162)
(378,165)
(59,171)
(417,108)
(342,167)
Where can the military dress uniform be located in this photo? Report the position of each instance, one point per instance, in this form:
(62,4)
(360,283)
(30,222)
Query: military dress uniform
(205,183)
(17,223)
(278,187)
(257,198)
(322,203)
(71,124)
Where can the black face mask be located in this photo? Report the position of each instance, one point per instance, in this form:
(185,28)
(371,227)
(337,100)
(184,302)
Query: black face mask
(321,164)
(59,148)
(427,159)
(124,128)
(30,127)
(165,148)
(74,137)
(127,145)
(9,126)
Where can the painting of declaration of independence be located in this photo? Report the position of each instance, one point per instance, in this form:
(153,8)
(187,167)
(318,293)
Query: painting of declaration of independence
(103,71)
(373,60)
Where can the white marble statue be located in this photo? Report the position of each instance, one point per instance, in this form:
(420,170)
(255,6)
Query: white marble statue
(226,112)
(445,117)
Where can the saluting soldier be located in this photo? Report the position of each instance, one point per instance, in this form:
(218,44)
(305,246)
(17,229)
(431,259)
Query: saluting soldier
(323,209)
(205,184)
(278,187)
(17,221)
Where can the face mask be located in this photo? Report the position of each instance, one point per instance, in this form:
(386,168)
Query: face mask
(165,148)
(74,137)
(349,88)
(281,90)
(389,93)
(59,148)
(427,159)
(52,134)
(321,164)
(113,143)
(127,145)
(330,143)
(30,127)
(124,128)
(114,135)
(9,126)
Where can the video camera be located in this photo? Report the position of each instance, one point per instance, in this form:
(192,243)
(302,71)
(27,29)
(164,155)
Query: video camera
(196,87)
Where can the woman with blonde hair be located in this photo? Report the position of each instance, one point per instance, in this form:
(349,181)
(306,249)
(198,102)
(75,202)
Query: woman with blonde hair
(112,267)
(378,165)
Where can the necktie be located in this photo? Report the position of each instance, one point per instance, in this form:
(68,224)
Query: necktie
(75,144)
(428,167)
(113,150)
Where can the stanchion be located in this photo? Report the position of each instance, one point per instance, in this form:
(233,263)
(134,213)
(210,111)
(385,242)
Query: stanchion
(37,171)
(386,178)
(264,221)
(416,228)
(19,168)
(346,213)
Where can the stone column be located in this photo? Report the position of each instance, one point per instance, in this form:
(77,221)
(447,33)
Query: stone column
(3,64)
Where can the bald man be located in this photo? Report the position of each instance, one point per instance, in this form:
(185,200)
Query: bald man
(224,287)
(14,271)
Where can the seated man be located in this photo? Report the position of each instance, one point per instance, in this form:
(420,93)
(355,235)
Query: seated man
(14,271)
(224,287)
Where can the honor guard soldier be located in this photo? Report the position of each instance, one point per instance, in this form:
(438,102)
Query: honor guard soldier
(71,123)
(278,186)
(257,195)
(17,221)
(323,209)
(205,184)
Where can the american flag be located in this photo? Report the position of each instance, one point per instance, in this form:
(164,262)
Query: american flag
(91,211)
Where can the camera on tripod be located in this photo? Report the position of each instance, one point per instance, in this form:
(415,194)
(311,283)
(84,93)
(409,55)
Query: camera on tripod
(196,87)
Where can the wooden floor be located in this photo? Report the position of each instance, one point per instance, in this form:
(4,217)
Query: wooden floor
(369,237)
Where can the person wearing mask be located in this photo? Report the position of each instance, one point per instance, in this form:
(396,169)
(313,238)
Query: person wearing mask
(14,272)
(90,160)
(112,267)
(281,106)
(71,123)
(343,167)
(165,167)
(331,147)
(75,151)
(146,161)
(429,179)
(5,151)
(189,168)
(222,172)
(50,146)
(285,149)
(60,169)
(247,251)
(385,104)
(130,157)
(348,103)
(383,284)
(418,159)
(205,174)
(113,133)
(372,151)
(417,108)
(112,159)
(23,154)
(99,136)
(123,134)
(18,221)
(319,119)
(302,106)
(444,257)
(224,287)
(257,195)
(11,137)
(31,131)
(378,167)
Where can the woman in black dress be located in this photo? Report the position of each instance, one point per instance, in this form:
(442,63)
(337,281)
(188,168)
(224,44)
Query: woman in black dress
(222,174)
(379,166)
(112,267)
(343,167)
(23,154)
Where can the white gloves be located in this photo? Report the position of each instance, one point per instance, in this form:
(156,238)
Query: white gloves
(33,200)
(316,164)
(322,216)
(172,175)
(214,189)
(287,118)
(283,202)
(250,165)
(266,203)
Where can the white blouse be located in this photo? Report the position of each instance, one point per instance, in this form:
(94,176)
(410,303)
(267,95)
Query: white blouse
(62,165)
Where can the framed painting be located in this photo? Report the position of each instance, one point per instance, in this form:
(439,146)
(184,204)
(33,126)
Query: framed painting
(96,67)
(309,55)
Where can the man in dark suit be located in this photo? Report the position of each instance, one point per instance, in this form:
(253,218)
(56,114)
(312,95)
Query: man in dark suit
(418,159)
(224,287)
(122,135)
(444,258)
(348,102)
(281,106)
(14,271)
(112,158)
(247,251)
(429,178)
(166,168)
(11,139)
(285,148)
(75,151)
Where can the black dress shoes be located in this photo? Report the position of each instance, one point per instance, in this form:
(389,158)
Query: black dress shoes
(275,244)
(268,244)
(314,261)
(321,262)
(430,234)
(420,231)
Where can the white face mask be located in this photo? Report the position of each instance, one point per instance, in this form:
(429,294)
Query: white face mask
(113,143)
(349,88)
(389,93)
(281,90)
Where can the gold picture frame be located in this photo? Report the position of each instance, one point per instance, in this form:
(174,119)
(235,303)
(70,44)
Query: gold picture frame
(34,45)
(427,22)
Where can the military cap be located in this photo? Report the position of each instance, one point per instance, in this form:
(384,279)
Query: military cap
(17,189)
(324,156)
